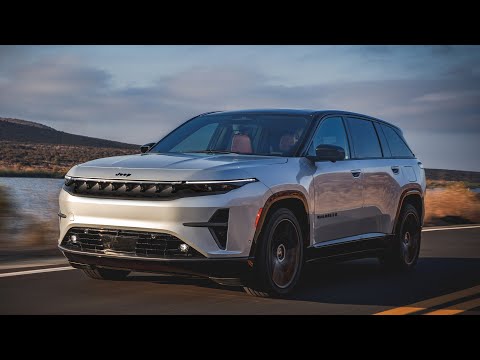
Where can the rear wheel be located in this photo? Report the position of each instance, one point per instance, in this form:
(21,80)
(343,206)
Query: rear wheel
(405,247)
(279,258)
(106,274)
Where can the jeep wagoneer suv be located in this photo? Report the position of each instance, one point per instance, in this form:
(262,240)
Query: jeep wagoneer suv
(247,198)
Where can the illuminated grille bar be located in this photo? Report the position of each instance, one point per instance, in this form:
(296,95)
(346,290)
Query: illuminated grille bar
(145,189)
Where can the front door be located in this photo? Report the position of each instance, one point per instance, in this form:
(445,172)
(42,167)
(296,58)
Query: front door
(337,186)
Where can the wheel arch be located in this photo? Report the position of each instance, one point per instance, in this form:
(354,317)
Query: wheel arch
(293,200)
(413,197)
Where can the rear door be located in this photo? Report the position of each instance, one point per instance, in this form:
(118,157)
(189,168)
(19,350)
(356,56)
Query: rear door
(380,186)
(401,168)
(338,186)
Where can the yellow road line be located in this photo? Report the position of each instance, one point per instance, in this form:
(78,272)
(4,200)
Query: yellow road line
(404,310)
(457,308)
(425,304)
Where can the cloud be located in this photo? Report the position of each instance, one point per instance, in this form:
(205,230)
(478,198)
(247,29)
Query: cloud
(72,96)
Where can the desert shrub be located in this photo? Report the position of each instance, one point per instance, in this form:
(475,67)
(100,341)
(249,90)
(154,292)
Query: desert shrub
(453,200)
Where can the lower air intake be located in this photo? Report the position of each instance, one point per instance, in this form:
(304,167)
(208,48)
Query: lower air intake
(127,242)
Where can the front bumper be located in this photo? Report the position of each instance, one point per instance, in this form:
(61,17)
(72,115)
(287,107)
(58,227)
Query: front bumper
(169,216)
(227,268)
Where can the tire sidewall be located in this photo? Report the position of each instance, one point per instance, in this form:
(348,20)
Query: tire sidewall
(263,261)
(398,257)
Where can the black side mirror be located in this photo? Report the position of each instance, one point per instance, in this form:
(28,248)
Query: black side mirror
(146,147)
(329,153)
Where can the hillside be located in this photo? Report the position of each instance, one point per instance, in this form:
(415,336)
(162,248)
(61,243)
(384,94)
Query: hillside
(22,131)
(36,150)
(453,175)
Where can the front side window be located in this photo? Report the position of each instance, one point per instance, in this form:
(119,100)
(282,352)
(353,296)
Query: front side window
(397,146)
(253,134)
(330,132)
(364,137)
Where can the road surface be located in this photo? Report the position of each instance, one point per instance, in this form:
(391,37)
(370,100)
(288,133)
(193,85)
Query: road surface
(446,281)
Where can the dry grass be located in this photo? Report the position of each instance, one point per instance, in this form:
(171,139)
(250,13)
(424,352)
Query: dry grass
(35,172)
(49,160)
(453,199)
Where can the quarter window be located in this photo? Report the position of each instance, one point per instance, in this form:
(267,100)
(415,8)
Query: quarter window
(330,132)
(395,142)
(364,137)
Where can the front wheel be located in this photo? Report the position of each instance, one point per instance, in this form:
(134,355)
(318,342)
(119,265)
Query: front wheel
(405,248)
(279,259)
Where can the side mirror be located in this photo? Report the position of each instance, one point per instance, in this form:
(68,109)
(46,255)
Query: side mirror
(146,147)
(329,153)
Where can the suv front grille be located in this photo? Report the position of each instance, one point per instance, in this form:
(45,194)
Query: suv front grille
(132,243)
(145,189)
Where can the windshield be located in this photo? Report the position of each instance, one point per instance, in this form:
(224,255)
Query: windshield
(255,134)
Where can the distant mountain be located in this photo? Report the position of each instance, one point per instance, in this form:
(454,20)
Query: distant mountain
(23,131)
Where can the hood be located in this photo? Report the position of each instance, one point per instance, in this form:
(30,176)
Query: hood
(175,167)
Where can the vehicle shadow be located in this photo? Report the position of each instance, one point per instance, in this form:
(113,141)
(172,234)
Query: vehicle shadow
(366,282)
(362,282)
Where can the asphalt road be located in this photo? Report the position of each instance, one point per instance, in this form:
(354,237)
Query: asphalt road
(446,281)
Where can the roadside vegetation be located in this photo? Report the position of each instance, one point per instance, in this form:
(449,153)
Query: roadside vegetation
(451,202)
(49,160)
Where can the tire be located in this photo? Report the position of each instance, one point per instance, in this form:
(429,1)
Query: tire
(279,258)
(404,249)
(106,274)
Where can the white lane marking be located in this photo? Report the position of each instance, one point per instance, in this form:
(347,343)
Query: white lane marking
(38,271)
(21,265)
(451,228)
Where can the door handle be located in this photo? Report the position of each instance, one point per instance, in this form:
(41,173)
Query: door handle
(356,173)
(396,170)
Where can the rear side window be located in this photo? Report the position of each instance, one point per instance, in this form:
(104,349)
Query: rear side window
(396,144)
(364,137)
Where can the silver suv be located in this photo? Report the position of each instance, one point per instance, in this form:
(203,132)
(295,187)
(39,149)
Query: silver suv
(247,198)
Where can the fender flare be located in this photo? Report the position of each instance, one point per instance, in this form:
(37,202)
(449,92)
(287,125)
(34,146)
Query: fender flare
(405,193)
(278,196)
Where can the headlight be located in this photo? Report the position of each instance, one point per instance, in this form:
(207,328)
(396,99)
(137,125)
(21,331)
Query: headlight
(214,186)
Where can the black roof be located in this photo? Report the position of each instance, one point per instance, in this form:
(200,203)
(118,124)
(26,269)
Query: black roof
(301,112)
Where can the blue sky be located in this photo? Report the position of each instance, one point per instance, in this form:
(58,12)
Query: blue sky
(138,93)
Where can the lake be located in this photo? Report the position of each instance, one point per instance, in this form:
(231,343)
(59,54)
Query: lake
(35,197)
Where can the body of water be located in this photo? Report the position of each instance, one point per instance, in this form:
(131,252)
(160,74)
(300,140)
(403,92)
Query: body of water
(34,197)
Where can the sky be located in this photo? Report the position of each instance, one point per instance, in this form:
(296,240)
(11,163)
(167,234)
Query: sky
(136,94)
